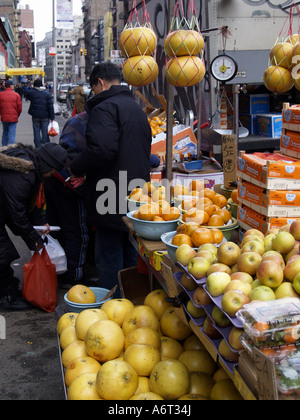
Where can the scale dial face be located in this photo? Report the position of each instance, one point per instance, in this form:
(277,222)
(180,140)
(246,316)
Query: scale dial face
(224,68)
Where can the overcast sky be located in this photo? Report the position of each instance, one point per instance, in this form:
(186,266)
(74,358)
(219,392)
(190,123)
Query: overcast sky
(43,15)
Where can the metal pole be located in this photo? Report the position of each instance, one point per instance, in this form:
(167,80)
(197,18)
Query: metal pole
(54,58)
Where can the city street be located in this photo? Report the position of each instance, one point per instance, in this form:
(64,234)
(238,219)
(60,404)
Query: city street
(29,359)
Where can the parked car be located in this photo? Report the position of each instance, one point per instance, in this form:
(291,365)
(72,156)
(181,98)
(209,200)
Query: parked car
(62,92)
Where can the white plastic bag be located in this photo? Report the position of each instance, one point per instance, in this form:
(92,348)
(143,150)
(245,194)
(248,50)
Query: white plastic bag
(57,254)
(53,129)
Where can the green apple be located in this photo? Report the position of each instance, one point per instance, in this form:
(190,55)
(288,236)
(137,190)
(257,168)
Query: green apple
(194,311)
(270,273)
(283,242)
(286,289)
(256,283)
(228,253)
(296,283)
(234,338)
(254,232)
(216,283)
(209,247)
(198,267)
(184,253)
(268,242)
(226,352)
(262,293)
(220,318)
(233,301)
(254,246)
(248,262)
(251,238)
(207,254)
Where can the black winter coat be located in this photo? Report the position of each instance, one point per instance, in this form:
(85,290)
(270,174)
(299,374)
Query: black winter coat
(118,139)
(20,179)
(41,104)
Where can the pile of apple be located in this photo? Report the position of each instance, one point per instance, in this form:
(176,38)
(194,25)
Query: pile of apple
(137,352)
(262,268)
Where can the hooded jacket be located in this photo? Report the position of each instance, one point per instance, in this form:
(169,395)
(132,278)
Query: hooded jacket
(118,139)
(20,179)
(10,105)
(41,103)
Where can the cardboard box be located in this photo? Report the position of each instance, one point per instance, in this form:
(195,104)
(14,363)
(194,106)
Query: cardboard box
(254,104)
(272,171)
(249,122)
(251,219)
(290,143)
(291,116)
(270,203)
(269,125)
(210,179)
(134,286)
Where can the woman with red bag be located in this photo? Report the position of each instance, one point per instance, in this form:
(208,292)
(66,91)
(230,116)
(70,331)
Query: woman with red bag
(22,170)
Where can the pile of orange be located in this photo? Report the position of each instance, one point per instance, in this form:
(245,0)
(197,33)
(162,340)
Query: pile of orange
(196,235)
(156,124)
(160,211)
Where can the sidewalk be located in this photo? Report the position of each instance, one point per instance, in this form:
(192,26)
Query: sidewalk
(29,359)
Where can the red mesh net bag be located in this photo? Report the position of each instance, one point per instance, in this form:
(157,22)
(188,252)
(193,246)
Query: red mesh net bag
(138,43)
(184,45)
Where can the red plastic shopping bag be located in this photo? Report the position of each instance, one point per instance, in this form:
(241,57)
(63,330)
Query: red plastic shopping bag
(40,282)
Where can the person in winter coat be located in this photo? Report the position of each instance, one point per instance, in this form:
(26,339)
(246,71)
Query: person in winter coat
(10,110)
(118,151)
(22,170)
(42,111)
(80,98)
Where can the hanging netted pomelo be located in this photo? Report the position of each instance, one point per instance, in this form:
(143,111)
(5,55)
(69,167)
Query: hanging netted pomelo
(185,71)
(294,39)
(281,54)
(137,41)
(140,70)
(184,42)
(278,79)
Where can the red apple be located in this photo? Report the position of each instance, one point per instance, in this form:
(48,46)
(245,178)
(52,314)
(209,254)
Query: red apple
(187,282)
(249,262)
(251,238)
(206,254)
(255,232)
(228,253)
(201,298)
(233,301)
(292,268)
(210,330)
(274,256)
(234,338)
(218,267)
(283,242)
(270,273)
(239,285)
(239,275)
(295,230)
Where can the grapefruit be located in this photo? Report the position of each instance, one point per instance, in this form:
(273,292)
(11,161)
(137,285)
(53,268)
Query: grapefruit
(137,41)
(183,42)
(185,71)
(140,70)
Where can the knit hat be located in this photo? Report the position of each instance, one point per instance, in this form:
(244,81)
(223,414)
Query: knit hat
(51,156)
(8,83)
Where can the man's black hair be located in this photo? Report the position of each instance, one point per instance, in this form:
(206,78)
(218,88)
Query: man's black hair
(37,83)
(106,71)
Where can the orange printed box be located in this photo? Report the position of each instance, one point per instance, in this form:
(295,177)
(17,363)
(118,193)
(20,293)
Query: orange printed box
(291,115)
(290,142)
(249,219)
(270,170)
(270,203)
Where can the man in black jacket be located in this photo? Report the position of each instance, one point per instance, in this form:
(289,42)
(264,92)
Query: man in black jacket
(42,111)
(118,150)
(22,170)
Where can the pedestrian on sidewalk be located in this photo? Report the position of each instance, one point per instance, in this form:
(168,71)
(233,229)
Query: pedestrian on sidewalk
(10,110)
(42,111)
(65,206)
(119,140)
(22,170)
(79,99)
